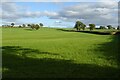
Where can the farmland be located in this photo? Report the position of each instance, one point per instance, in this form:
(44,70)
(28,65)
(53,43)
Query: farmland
(59,53)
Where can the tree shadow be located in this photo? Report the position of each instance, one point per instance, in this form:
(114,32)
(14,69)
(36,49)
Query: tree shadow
(90,32)
(16,66)
(111,49)
(96,32)
(22,66)
(66,30)
(117,33)
(28,29)
(18,50)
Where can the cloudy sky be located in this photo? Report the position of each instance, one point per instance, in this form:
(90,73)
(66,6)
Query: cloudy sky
(59,14)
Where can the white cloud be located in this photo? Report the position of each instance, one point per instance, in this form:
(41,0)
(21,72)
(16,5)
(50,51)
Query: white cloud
(9,7)
(99,13)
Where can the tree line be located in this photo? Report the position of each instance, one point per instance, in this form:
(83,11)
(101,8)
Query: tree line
(78,25)
(81,26)
(32,26)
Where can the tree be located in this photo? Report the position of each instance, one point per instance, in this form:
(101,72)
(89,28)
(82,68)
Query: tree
(28,25)
(32,26)
(91,26)
(79,25)
(41,24)
(109,26)
(118,27)
(37,26)
(83,26)
(24,25)
(19,26)
(102,27)
(12,24)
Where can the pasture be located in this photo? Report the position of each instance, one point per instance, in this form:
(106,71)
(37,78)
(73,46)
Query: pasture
(59,53)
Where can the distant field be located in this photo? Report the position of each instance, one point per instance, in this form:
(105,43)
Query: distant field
(59,53)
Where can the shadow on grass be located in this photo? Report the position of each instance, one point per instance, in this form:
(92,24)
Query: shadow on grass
(22,51)
(22,66)
(66,30)
(28,29)
(118,33)
(111,50)
(96,32)
(91,32)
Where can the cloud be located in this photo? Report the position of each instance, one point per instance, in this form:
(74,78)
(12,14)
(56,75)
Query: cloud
(58,22)
(100,13)
(12,12)
(9,7)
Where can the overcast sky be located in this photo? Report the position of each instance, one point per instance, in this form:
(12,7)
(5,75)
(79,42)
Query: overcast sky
(59,14)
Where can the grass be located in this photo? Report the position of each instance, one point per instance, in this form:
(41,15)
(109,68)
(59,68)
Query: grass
(58,53)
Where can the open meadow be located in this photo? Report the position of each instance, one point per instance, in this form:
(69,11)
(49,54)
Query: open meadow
(59,53)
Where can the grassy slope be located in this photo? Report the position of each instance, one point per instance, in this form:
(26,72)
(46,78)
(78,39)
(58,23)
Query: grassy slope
(54,53)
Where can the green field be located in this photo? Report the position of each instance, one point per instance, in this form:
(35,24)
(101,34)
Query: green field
(58,53)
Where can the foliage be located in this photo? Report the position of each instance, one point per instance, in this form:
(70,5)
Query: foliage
(41,24)
(83,27)
(24,25)
(109,26)
(79,25)
(102,27)
(91,26)
(12,24)
(37,26)
(118,28)
(28,25)
(19,26)
(34,26)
